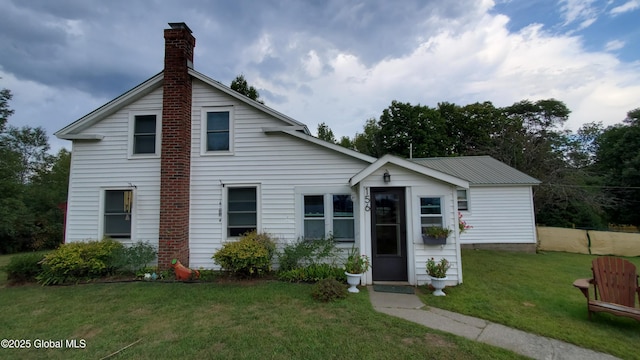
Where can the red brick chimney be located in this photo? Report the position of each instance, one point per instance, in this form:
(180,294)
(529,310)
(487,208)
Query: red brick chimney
(175,161)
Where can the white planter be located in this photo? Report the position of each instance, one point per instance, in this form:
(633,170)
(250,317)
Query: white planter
(353,280)
(438,284)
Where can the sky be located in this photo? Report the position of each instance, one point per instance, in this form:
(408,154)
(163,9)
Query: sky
(340,62)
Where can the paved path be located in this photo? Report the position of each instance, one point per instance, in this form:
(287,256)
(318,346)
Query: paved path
(409,307)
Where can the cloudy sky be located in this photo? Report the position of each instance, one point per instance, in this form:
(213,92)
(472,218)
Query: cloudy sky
(336,61)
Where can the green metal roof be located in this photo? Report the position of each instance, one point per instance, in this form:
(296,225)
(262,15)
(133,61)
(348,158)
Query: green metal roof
(478,170)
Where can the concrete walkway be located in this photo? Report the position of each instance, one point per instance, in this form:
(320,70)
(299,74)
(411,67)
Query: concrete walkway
(409,307)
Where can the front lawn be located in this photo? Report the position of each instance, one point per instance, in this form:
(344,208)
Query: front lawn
(229,320)
(534,293)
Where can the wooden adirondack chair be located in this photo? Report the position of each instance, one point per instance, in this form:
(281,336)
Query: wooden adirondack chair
(615,285)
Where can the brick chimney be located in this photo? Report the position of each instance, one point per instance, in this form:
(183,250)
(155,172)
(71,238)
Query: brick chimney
(175,162)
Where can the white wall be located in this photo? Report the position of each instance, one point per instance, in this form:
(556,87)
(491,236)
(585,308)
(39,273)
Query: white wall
(500,215)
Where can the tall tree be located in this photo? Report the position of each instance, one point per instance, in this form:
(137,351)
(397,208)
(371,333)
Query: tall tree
(325,133)
(618,163)
(240,85)
(31,145)
(404,127)
(5,110)
(368,142)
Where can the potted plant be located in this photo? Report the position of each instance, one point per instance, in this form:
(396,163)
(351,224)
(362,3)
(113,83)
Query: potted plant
(354,267)
(435,235)
(438,273)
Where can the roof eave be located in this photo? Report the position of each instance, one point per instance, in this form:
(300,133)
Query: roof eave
(227,90)
(109,108)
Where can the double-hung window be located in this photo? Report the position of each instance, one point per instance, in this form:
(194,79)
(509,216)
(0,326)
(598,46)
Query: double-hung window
(430,212)
(463,199)
(329,214)
(217,130)
(242,210)
(117,213)
(144,134)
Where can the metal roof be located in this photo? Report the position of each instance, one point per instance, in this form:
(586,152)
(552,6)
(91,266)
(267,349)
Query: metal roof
(478,170)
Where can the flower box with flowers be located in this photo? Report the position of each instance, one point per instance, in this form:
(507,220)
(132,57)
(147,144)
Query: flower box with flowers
(435,235)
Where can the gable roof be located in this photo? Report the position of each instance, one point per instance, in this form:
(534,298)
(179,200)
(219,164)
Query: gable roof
(71,131)
(390,159)
(478,170)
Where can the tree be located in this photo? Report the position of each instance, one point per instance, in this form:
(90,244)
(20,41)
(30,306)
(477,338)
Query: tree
(404,127)
(368,141)
(240,85)
(5,111)
(31,146)
(618,163)
(325,133)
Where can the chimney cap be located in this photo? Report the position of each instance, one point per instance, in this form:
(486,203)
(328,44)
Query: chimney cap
(180,25)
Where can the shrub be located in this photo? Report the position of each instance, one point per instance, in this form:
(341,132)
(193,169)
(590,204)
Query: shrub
(312,273)
(24,267)
(135,258)
(79,260)
(306,252)
(249,256)
(327,290)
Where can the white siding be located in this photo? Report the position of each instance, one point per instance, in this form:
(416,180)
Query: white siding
(97,165)
(500,215)
(278,163)
(417,186)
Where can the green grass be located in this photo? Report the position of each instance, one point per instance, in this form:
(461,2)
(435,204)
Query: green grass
(243,320)
(534,293)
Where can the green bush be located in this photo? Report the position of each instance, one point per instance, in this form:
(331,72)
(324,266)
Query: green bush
(327,290)
(79,260)
(306,252)
(24,267)
(312,273)
(249,256)
(135,258)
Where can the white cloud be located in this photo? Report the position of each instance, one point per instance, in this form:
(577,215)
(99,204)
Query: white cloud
(614,45)
(483,63)
(626,7)
(581,11)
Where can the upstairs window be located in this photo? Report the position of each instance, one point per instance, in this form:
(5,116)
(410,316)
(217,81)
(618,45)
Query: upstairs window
(117,213)
(144,134)
(463,200)
(217,130)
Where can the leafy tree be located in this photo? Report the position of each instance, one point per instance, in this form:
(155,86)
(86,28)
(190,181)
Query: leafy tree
(618,163)
(368,142)
(5,111)
(32,184)
(240,85)
(346,142)
(404,126)
(31,146)
(325,133)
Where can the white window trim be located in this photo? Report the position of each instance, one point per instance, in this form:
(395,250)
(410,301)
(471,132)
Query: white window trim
(442,210)
(203,130)
(103,191)
(327,194)
(132,121)
(225,207)
(468,191)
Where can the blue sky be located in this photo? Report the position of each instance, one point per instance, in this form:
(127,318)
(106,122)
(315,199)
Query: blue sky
(336,61)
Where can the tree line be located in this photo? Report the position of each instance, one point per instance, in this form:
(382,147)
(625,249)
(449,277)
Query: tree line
(33,184)
(590,178)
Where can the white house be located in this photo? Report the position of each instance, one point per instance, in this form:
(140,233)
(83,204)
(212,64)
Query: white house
(186,163)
